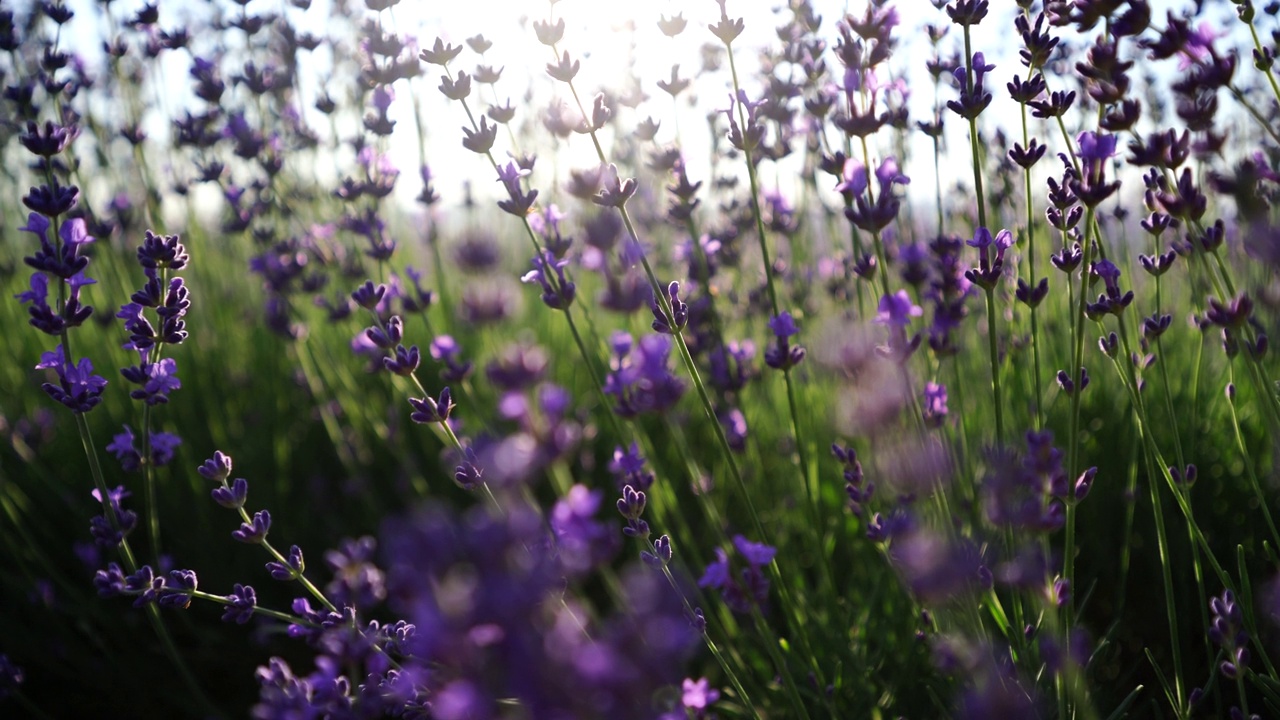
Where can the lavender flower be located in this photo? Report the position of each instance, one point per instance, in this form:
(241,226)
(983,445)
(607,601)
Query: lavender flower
(750,586)
(254,531)
(241,604)
(110,528)
(78,388)
(557,291)
(430,410)
(679,312)
(640,380)
(1226,630)
(782,355)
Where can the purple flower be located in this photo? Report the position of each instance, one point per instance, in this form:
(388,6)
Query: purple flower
(291,568)
(896,310)
(853,178)
(357,581)
(558,292)
(110,528)
(78,388)
(698,694)
(750,586)
(157,380)
(583,542)
(446,350)
(162,252)
(1226,630)
(640,379)
(240,604)
(757,554)
(255,531)
(216,468)
(1096,147)
(782,355)
(783,325)
(935,404)
(628,468)
(430,410)
(178,589)
(613,191)
(679,312)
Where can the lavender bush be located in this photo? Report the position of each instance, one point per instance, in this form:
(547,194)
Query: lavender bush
(876,360)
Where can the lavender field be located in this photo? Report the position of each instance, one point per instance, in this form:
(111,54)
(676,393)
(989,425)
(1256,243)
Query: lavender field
(679,360)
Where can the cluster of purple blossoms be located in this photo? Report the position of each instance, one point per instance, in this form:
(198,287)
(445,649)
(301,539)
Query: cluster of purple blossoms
(869,211)
(543,414)
(1029,492)
(161,445)
(78,388)
(1113,301)
(60,256)
(486,593)
(628,468)
(895,312)
(859,492)
(990,264)
(748,587)
(640,379)
(782,355)
(558,292)
(145,586)
(110,528)
(1239,326)
(949,287)
(62,259)
(1226,630)
(582,542)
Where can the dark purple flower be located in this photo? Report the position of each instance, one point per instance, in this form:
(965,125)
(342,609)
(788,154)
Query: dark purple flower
(750,586)
(78,388)
(255,531)
(52,201)
(240,604)
(640,379)
(110,528)
(291,568)
(782,355)
(178,589)
(558,292)
(1226,630)
(628,469)
(216,468)
(679,317)
(430,410)
(162,252)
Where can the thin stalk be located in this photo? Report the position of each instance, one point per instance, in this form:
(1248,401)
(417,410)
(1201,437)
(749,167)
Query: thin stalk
(992,344)
(1077,360)
(801,447)
(1166,577)
(1031,266)
(1247,458)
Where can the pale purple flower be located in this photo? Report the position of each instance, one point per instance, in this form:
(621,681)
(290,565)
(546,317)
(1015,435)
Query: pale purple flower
(896,310)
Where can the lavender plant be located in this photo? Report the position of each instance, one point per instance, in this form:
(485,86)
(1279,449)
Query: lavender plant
(1015,265)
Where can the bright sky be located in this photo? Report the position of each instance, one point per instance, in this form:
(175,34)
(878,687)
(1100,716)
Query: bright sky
(610,37)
